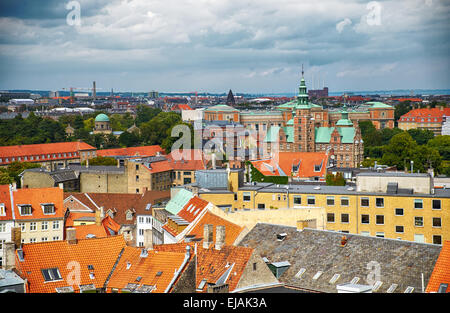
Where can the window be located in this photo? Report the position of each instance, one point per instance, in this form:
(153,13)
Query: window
(437,239)
(399,212)
(344,201)
(246,196)
(365,233)
(2,209)
(2,227)
(311,200)
(261,206)
(51,274)
(436,204)
(364,202)
(379,219)
(33,226)
(297,200)
(25,209)
(419,238)
(365,219)
(437,222)
(344,218)
(418,221)
(48,208)
(137,178)
(254,266)
(141,232)
(330,200)
(44,239)
(55,224)
(55,238)
(330,217)
(137,167)
(22,227)
(32,240)
(418,204)
(399,229)
(44,225)
(379,202)
(379,234)
(187,173)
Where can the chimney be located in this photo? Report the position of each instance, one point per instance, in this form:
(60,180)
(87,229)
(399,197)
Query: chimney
(71,236)
(16,237)
(148,239)
(220,237)
(118,163)
(87,163)
(102,213)
(9,256)
(61,186)
(98,218)
(207,235)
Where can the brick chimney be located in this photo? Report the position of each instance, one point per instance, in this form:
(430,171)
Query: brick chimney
(207,235)
(220,237)
(71,236)
(9,248)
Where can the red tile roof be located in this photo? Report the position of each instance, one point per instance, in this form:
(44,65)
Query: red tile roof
(132,265)
(441,271)
(188,160)
(45,151)
(307,161)
(5,199)
(144,151)
(192,209)
(85,231)
(101,253)
(432,115)
(158,167)
(212,263)
(35,197)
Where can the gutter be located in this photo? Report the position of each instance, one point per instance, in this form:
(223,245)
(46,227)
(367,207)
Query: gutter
(178,272)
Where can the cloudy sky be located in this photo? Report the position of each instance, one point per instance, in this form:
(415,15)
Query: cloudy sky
(214,45)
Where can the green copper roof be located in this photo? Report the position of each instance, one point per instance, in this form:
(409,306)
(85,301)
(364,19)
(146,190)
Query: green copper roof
(273,133)
(380,105)
(344,122)
(221,107)
(179,201)
(290,122)
(323,134)
(102,118)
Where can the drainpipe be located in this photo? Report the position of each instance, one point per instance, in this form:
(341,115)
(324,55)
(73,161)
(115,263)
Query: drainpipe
(177,273)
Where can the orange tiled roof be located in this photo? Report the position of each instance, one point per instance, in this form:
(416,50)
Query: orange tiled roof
(131,266)
(73,216)
(157,167)
(54,150)
(212,263)
(441,271)
(192,209)
(84,231)
(144,151)
(432,115)
(101,253)
(232,230)
(5,199)
(195,160)
(36,197)
(307,161)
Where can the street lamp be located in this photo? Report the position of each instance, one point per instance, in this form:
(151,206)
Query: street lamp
(412,166)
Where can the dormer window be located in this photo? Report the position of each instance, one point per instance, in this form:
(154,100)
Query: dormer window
(51,274)
(48,208)
(129,215)
(25,209)
(2,209)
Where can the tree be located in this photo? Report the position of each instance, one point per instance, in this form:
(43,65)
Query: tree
(15,168)
(127,139)
(99,160)
(335,180)
(442,144)
(421,136)
(401,149)
(145,114)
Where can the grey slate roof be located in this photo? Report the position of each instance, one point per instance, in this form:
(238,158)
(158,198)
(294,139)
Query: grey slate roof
(394,261)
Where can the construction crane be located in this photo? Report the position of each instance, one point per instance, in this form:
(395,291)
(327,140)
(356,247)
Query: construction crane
(71,89)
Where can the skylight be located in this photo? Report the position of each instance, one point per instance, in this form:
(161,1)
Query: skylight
(355,280)
(334,278)
(318,274)
(392,288)
(51,274)
(409,289)
(300,272)
(377,285)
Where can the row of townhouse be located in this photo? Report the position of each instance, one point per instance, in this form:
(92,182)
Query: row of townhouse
(393,204)
(38,213)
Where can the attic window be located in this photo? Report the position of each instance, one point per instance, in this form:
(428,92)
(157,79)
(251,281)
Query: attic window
(51,274)
(159,273)
(25,209)
(442,288)
(409,289)
(129,215)
(334,278)
(392,288)
(2,209)
(138,278)
(318,274)
(201,285)
(355,280)
(377,285)
(281,237)
(20,255)
(300,272)
(91,267)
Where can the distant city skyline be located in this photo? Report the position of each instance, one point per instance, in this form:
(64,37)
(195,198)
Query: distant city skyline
(253,47)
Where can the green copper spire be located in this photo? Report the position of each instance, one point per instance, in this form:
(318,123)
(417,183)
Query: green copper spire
(344,121)
(302,98)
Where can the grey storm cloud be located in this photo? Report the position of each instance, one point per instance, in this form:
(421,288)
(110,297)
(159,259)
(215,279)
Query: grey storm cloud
(255,45)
